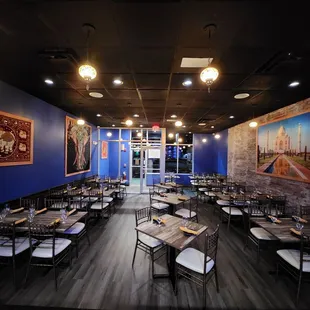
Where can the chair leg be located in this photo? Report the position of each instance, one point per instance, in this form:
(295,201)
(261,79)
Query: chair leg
(298,289)
(87,236)
(77,247)
(204,292)
(257,254)
(216,280)
(277,271)
(55,275)
(228,224)
(14,272)
(134,254)
(176,282)
(152,258)
(70,258)
(27,272)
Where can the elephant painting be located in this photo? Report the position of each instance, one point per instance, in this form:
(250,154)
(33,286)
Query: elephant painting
(7,140)
(78,147)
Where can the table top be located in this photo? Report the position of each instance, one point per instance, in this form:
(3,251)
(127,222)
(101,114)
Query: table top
(164,186)
(282,230)
(170,233)
(171,199)
(45,218)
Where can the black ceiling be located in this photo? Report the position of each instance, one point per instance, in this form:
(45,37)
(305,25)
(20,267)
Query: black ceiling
(259,47)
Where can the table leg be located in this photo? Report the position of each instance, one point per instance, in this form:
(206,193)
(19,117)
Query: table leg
(171,266)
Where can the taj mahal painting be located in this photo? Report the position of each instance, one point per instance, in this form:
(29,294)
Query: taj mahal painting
(283,148)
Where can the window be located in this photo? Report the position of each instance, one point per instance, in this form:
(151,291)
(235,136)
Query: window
(179,153)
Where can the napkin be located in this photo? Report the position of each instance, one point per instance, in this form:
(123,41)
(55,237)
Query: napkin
(273,219)
(70,212)
(188,231)
(20,221)
(40,211)
(17,210)
(183,198)
(159,220)
(54,222)
(299,219)
(296,232)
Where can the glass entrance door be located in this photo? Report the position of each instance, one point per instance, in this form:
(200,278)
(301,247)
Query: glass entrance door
(150,168)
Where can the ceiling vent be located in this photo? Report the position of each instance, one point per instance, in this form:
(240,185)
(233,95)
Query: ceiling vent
(188,62)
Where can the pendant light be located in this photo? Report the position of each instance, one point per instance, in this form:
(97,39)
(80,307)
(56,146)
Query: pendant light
(209,75)
(86,70)
(253,123)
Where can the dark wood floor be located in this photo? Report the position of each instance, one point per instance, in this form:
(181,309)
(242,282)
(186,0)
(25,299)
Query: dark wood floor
(102,277)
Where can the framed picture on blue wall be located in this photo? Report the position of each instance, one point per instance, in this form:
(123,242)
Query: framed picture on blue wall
(77,147)
(16,140)
(283,148)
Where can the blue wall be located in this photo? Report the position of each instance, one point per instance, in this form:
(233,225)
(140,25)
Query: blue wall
(48,168)
(211,156)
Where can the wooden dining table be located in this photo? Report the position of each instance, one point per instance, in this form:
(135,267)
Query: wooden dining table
(282,230)
(171,234)
(44,218)
(171,199)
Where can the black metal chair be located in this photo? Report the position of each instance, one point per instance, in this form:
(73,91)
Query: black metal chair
(11,246)
(197,266)
(158,207)
(304,211)
(277,206)
(46,250)
(296,262)
(55,204)
(29,202)
(147,244)
(189,209)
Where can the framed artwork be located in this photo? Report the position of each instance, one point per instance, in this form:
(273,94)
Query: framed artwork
(104,149)
(16,140)
(283,148)
(77,147)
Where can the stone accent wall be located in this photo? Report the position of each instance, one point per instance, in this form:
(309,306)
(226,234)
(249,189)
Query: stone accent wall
(242,158)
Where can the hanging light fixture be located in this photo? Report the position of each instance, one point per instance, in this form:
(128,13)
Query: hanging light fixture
(155,127)
(209,75)
(80,122)
(253,124)
(86,70)
(129,122)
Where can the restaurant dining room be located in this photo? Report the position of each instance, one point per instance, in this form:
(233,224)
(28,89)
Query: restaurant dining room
(154,154)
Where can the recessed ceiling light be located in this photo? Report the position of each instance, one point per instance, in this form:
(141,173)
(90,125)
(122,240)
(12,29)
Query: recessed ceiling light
(183,126)
(113,125)
(136,115)
(204,140)
(95,94)
(178,123)
(98,115)
(242,96)
(294,84)
(180,140)
(141,126)
(212,126)
(231,116)
(118,82)
(173,116)
(187,83)
(217,136)
(202,124)
(49,81)
(189,132)
(109,134)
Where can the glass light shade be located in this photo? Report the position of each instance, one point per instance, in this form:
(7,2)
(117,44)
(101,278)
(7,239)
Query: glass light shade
(129,122)
(209,75)
(253,124)
(155,128)
(80,122)
(87,72)
(178,123)
(217,136)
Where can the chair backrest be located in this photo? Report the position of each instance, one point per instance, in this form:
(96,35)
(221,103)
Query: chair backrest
(40,233)
(210,247)
(51,203)
(304,249)
(142,215)
(7,230)
(56,193)
(193,204)
(29,202)
(304,210)
(277,206)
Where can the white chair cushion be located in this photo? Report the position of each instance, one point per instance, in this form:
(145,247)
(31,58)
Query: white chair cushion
(159,205)
(257,212)
(223,202)
(92,199)
(239,203)
(21,244)
(122,186)
(261,233)
(107,199)
(59,205)
(45,248)
(194,260)
(202,189)
(194,183)
(75,229)
(99,206)
(185,213)
(274,212)
(293,258)
(149,241)
(232,211)
(76,198)
(210,194)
